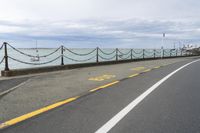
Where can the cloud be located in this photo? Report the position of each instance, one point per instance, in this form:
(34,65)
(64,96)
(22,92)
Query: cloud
(98,9)
(90,23)
(122,32)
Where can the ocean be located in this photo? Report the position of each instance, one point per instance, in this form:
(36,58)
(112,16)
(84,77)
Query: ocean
(72,56)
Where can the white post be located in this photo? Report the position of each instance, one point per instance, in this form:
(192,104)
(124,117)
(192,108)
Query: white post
(162,48)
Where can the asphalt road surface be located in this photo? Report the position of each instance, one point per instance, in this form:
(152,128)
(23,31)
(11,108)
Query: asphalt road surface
(172,107)
(10,83)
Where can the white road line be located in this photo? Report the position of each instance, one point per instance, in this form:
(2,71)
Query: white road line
(114,120)
(13,88)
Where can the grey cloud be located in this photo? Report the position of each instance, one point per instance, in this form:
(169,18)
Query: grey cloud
(95,31)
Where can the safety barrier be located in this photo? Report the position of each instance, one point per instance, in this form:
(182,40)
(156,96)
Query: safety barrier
(95,55)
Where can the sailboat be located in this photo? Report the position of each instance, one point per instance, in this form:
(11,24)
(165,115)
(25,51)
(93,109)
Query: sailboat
(37,57)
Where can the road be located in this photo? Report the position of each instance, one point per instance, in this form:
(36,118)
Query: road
(172,107)
(9,84)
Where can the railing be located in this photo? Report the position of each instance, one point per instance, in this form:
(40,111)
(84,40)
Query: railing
(96,55)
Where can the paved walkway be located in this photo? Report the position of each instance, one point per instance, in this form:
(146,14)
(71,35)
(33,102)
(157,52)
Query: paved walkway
(44,89)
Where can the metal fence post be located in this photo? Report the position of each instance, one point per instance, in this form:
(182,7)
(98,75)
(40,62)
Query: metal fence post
(116,54)
(181,52)
(176,52)
(131,54)
(143,53)
(6,56)
(62,59)
(170,54)
(163,53)
(154,53)
(97,58)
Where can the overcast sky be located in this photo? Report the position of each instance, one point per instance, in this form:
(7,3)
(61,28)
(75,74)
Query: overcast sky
(104,23)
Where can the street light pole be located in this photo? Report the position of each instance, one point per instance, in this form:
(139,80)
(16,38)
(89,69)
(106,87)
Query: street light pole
(162,45)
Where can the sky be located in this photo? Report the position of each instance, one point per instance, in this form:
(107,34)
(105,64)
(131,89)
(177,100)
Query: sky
(102,23)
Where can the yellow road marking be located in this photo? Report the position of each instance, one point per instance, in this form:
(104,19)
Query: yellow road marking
(47,108)
(55,105)
(101,78)
(138,68)
(104,86)
(96,79)
(35,113)
(133,75)
(157,67)
(147,70)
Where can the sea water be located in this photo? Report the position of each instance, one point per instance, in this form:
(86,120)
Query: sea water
(137,53)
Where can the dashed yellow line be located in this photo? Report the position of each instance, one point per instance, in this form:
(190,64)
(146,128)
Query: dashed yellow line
(47,108)
(35,113)
(147,70)
(157,67)
(55,105)
(133,75)
(104,86)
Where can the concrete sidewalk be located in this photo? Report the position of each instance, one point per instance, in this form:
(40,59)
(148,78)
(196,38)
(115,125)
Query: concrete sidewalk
(44,89)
